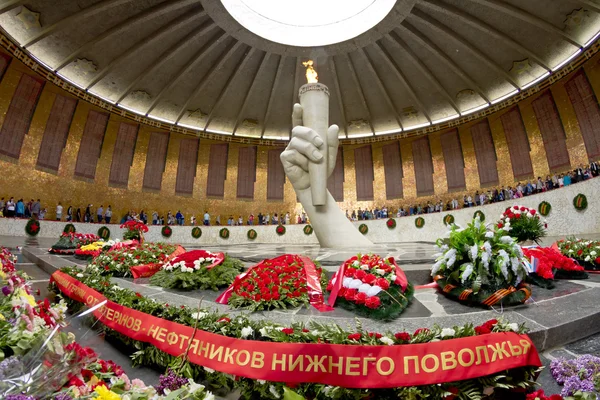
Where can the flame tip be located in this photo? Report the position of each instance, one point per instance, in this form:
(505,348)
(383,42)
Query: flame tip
(311,74)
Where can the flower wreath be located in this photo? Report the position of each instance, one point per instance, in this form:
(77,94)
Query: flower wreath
(280,230)
(544,208)
(449,219)
(197,269)
(391,223)
(420,222)
(196,232)
(480,214)
(104,233)
(69,228)
(33,227)
(252,234)
(371,286)
(280,283)
(580,202)
(166,231)
(363,228)
(308,230)
(224,233)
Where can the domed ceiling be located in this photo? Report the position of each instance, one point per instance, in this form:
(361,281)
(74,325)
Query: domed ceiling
(191,62)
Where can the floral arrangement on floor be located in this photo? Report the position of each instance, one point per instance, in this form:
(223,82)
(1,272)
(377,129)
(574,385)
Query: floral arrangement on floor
(586,252)
(134,230)
(525,223)
(372,286)
(276,283)
(198,269)
(548,264)
(579,377)
(479,266)
(242,327)
(91,250)
(69,228)
(68,243)
(120,258)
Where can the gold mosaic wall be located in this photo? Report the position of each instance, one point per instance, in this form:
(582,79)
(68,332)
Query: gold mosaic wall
(21,179)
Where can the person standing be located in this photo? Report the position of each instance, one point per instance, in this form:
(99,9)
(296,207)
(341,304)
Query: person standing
(78,215)
(70,214)
(260,218)
(206,218)
(154,218)
(88,214)
(287,218)
(20,208)
(36,208)
(218,220)
(179,217)
(59,210)
(251,219)
(99,214)
(108,214)
(10,207)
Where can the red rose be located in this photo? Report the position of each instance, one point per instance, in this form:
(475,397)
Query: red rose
(305,330)
(342,291)
(329,286)
(516,207)
(402,336)
(224,319)
(373,302)
(597,260)
(138,294)
(354,336)
(377,335)
(288,331)
(75,381)
(360,298)
(360,274)
(532,211)
(523,208)
(491,322)
(383,283)
(350,272)
(420,330)
(555,397)
(482,330)
(350,293)
(579,252)
(267,296)
(106,267)
(369,278)
(500,225)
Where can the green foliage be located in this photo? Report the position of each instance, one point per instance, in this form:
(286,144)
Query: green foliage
(104,233)
(69,228)
(580,202)
(363,228)
(130,234)
(419,222)
(196,232)
(214,278)
(224,233)
(33,227)
(544,208)
(524,229)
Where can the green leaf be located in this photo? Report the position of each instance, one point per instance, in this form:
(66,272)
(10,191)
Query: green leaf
(289,394)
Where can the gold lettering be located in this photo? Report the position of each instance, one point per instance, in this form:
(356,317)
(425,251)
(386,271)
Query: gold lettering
(350,365)
(160,336)
(391,366)
(152,331)
(499,351)
(448,360)
(184,339)
(461,359)
(194,346)
(204,349)
(526,345)
(366,362)
(213,353)
(293,364)
(258,360)
(229,353)
(514,350)
(482,350)
(172,338)
(276,362)
(316,363)
(246,359)
(436,363)
(138,324)
(415,360)
(340,365)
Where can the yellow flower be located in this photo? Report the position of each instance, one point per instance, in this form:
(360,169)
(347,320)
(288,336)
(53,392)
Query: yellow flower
(2,318)
(105,394)
(92,246)
(2,274)
(23,294)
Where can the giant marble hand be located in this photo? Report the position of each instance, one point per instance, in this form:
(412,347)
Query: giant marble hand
(306,146)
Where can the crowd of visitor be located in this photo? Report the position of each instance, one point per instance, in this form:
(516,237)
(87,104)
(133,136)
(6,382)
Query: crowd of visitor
(33,208)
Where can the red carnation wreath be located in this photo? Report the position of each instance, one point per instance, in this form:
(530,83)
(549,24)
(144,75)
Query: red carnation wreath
(371,286)
(547,264)
(286,281)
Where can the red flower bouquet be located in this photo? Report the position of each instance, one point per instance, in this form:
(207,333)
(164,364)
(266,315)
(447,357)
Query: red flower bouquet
(586,252)
(549,263)
(525,223)
(134,230)
(371,286)
(277,283)
(198,269)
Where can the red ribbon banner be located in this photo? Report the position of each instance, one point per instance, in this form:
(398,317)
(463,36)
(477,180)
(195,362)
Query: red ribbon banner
(351,366)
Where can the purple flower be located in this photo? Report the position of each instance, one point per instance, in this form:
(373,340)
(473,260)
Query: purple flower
(10,368)
(62,396)
(170,381)
(19,397)
(574,384)
(6,290)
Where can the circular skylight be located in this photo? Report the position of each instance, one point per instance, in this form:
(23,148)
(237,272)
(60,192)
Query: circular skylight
(308,23)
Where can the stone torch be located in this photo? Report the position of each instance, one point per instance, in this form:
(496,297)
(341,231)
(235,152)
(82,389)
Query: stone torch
(314,99)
